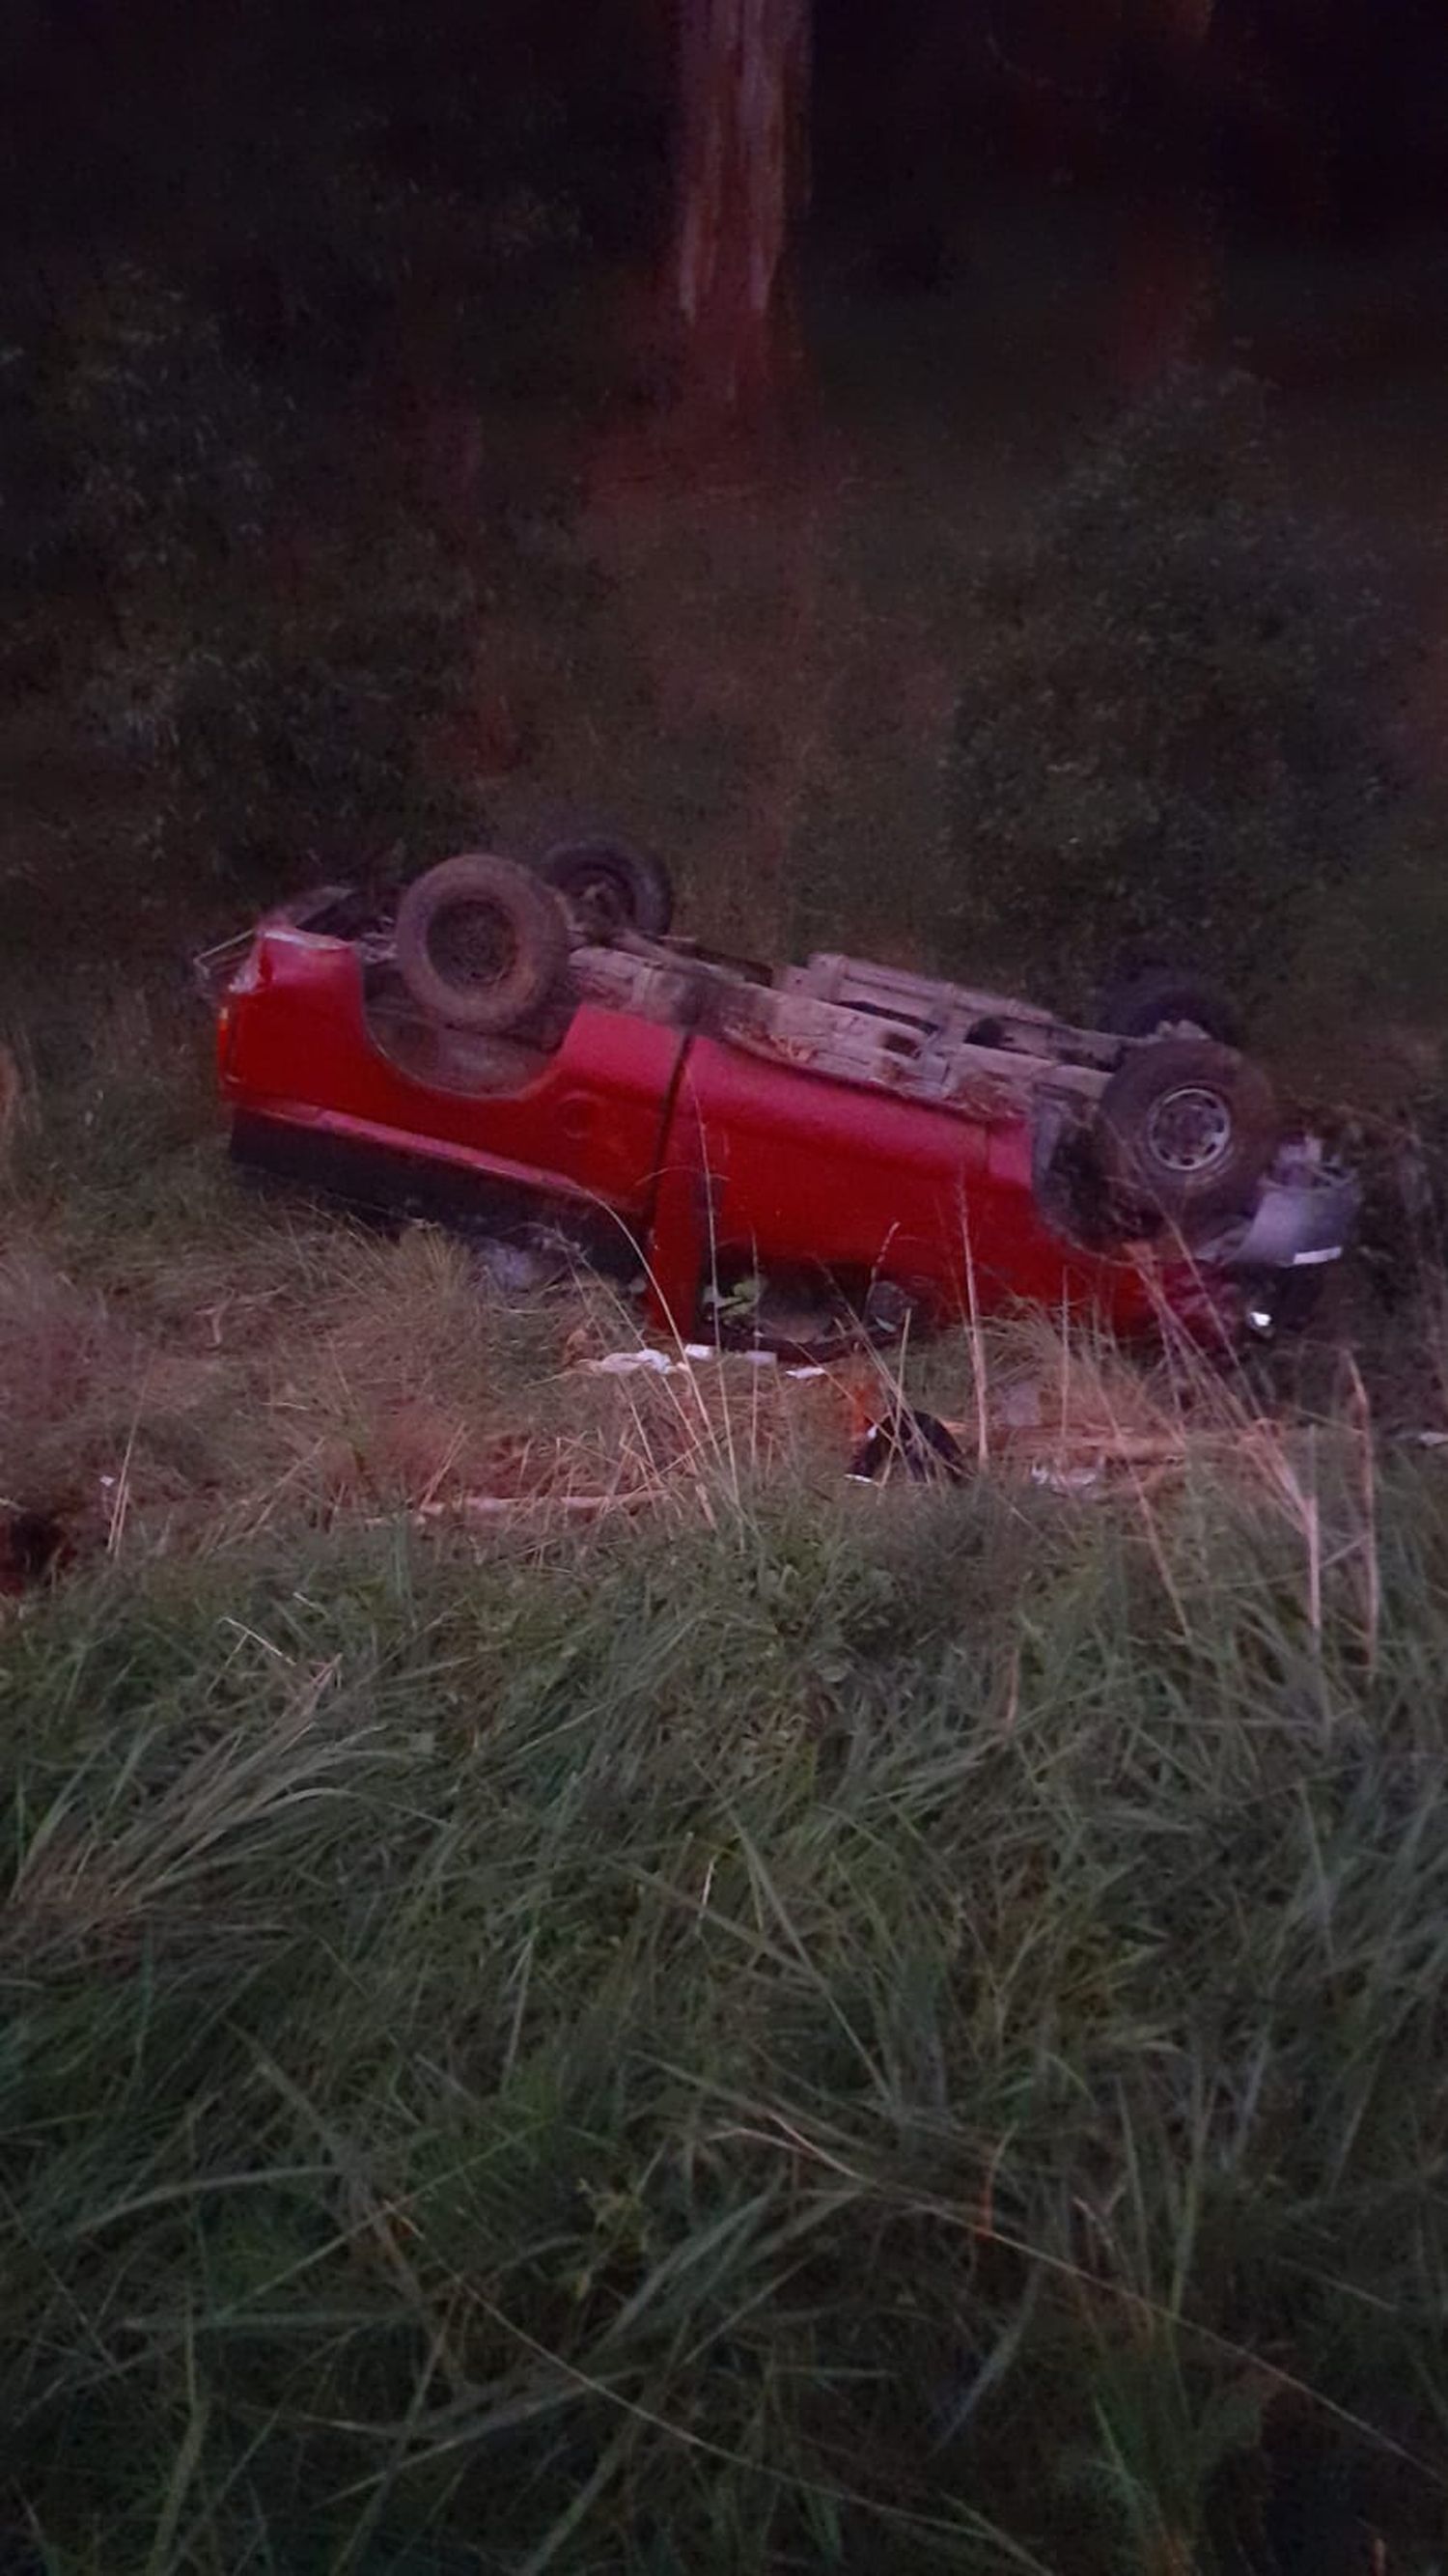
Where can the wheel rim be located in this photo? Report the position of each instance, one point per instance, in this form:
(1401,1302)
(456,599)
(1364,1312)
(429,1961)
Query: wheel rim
(472,946)
(600,903)
(1189,1130)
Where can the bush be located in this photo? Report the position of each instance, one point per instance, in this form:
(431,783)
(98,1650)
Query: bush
(276,689)
(268,733)
(174,447)
(1167,735)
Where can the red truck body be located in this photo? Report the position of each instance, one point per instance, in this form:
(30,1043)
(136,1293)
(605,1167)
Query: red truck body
(702,1160)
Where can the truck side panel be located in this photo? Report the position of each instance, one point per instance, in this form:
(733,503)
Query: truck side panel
(296,1054)
(799,1170)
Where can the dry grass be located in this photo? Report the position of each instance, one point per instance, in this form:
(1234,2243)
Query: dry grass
(364,1376)
(309,1370)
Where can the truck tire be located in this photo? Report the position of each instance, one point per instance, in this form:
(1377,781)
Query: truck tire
(608,888)
(1168,1001)
(1187,1128)
(480,944)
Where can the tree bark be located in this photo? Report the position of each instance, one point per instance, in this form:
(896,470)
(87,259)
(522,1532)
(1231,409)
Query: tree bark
(1171,263)
(742,181)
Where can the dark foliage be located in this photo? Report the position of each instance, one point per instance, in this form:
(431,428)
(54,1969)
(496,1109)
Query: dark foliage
(282,262)
(264,659)
(1167,739)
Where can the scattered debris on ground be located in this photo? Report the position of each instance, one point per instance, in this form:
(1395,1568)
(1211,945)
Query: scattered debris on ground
(916,1445)
(646,1360)
(312,1375)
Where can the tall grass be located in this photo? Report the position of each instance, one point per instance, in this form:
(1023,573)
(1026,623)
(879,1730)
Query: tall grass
(769,2025)
(897,2034)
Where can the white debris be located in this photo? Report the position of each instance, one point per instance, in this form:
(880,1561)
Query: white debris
(514,1267)
(1066,1480)
(643,1362)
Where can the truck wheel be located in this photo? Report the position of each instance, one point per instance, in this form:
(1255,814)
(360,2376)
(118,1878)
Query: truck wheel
(1189,1128)
(608,888)
(1168,1001)
(480,944)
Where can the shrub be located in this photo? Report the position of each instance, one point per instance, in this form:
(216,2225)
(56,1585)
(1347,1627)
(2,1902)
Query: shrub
(174,447)
(1167,733)
(266,731)
(272,665)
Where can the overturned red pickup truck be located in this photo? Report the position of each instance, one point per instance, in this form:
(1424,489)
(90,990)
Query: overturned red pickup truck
(529,1052)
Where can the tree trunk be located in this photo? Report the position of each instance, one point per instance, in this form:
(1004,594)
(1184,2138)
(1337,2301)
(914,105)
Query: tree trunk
(1171,263)
(742,179)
